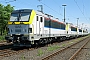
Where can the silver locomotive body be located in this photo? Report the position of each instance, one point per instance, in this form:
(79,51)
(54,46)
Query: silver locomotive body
(19,27)
(29,27)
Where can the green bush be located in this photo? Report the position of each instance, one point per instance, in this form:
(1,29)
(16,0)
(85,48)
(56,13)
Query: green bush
(2,38)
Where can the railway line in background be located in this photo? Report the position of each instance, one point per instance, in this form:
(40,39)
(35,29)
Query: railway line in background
(84,54)
(68,53)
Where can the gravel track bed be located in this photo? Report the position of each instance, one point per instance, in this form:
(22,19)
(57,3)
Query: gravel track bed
(41,52)
(4,44)
(2,41)
(84,54)
(66,54)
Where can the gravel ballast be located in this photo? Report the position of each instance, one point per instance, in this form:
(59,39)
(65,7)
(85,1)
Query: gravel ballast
(41,52)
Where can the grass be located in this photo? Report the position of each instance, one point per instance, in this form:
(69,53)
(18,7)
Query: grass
(78,39)
(40,52)
(22,57)
(52,48)
(63,45)
(82,38)
(2,37)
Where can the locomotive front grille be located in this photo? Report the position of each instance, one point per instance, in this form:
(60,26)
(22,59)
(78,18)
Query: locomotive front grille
(17,30)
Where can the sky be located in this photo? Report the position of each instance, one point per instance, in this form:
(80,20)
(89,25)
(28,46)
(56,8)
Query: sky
(74,9)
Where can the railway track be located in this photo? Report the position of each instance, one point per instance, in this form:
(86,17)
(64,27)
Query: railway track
(5,52)
(7,49)
(68,53)
(84,54)
(2,43)
(13,51)
(76,53)
(10,51)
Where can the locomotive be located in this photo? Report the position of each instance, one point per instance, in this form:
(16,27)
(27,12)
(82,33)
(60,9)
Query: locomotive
(28,27)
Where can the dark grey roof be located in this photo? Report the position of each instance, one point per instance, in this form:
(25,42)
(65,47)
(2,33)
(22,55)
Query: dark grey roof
(22,10)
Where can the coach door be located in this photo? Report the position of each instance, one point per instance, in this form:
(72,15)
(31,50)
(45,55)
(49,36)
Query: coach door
(39,25)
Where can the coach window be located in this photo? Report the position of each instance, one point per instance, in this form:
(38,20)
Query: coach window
(62,26)
(41,19)
(37,18)
(46,22)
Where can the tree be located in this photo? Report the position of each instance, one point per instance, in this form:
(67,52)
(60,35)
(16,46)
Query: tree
(5,12)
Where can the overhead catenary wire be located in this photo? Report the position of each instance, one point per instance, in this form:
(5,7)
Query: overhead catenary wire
(80,9)
(50,8)
(68,15)
(21,2)
(6,1)
(54,10)
(83,6)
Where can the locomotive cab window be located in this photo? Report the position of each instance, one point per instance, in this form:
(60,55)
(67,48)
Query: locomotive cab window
(14,17)
(25,16)
(19,15)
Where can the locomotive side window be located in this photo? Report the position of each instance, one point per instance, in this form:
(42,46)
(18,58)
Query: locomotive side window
(37,18)
(41,19)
